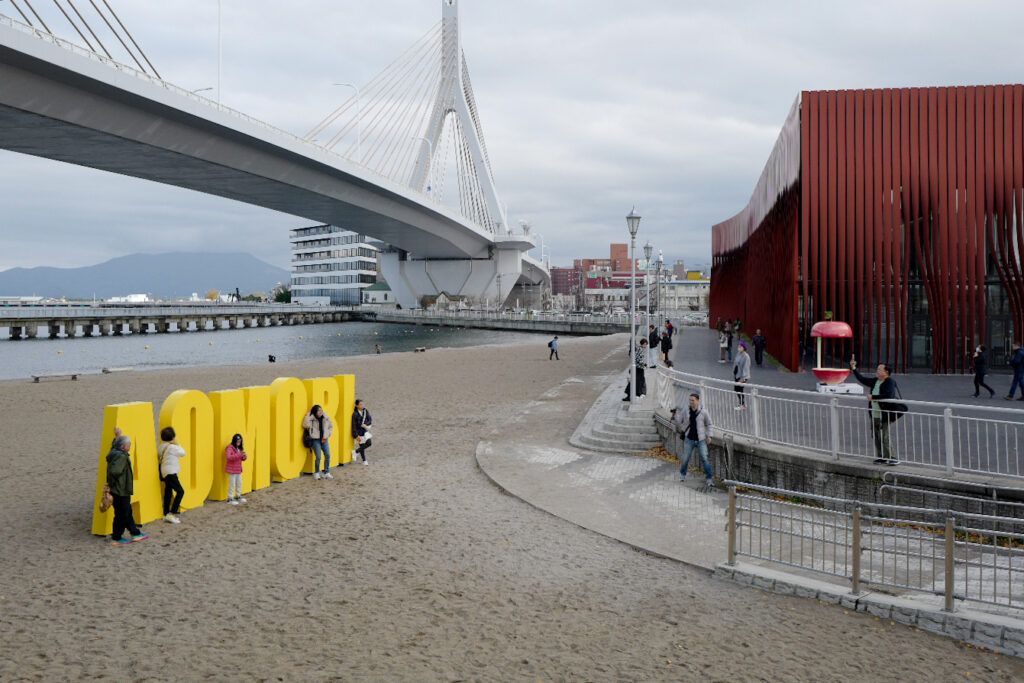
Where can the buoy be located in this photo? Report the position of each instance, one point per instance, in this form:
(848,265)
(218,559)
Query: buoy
(211,343)
(60,352)
(147,347)
(300,336)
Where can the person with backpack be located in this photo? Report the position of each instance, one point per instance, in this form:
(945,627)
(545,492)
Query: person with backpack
(553,345)
(1017,363)
(320,429)
(666,345)
(361,421)
(883,388)
(170,454)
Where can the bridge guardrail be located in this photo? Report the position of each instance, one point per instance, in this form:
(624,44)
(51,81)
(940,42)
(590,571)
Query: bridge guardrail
(955,439)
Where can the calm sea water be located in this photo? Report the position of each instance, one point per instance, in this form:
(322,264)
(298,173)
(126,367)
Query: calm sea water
(233,347)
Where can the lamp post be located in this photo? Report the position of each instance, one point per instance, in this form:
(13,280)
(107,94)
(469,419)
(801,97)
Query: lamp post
(661,262)
(633,224)
(359,120)
(647,282)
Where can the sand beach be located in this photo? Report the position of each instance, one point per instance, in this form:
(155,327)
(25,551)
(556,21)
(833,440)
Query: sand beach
(415,568)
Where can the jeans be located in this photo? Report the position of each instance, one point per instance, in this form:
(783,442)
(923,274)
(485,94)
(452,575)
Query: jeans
(758,356)
(702,448)
(1018,381)
(123,518)
(172,487)
(324,447)
(728,352)
(880,431)
(553,354)
(979,381)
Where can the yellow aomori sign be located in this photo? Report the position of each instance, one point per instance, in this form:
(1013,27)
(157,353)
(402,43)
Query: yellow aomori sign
(269,418)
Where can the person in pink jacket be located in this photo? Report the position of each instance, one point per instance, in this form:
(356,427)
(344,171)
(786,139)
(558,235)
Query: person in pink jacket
(235,454)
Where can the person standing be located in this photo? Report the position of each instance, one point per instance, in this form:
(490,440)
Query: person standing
(1017,363)
(980,363)
(320,429)
(719,325)
(170,454)
(741,373)
(694,424)
(639,362)
(121,481)
(666,345)
(234,454)
(553,345)
(728,340)
(361,421)
(723,344)
(759,345)
(653,342)
(669,329)
(882,389)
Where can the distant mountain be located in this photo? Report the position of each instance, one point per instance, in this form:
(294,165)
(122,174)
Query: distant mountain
(163,276)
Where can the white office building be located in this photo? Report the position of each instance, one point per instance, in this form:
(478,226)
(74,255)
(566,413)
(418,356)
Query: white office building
(331,266)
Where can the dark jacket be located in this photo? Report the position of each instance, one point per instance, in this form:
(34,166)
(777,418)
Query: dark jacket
(980,363)
(359,424)
(885,392)
(119,473)
(1017,361)
(759,342)
(666,343)
(653,338)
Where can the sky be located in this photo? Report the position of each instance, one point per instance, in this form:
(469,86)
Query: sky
(589,107)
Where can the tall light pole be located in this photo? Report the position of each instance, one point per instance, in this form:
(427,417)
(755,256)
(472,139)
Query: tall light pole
(359,120)
(220,51)
(647,282)
(661,262)
(633,224)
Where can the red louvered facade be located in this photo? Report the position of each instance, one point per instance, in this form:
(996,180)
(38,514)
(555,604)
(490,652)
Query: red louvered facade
(899,210)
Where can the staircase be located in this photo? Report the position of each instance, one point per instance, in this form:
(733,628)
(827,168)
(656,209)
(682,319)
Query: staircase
(611,427)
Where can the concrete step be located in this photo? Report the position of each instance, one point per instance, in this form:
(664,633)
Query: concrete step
(626,430)
(639,420)
(609,445)
(602,432)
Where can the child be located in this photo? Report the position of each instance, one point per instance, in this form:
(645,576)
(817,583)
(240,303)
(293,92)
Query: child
(170,454)
(235,454)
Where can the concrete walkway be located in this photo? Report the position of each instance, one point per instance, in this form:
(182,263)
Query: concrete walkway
(639,500)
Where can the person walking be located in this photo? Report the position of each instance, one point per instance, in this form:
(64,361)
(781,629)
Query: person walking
(666,345)
(170,454)
(653,342)
(234,454)
(1017,363)
(883,388)
(719,325)
(639,362)
(553,345)
(120,479)
(361,421)
(741,373)
(669,328)
(760,343)
(728,341)
(723,344)
(694,424)
(980,363)
(320,429)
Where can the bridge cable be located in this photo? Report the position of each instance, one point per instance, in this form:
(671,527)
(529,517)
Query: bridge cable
(27,20)
(116,35)
(404,121)
(88,28)
(127,33)
(38,17)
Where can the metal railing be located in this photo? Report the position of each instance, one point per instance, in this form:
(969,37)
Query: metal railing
(960,556)
(954,439)
(546,316)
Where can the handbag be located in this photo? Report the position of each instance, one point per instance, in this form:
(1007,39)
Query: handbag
(107,499)
(365,438)
(894,410)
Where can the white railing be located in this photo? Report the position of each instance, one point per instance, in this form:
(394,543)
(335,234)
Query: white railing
(953,438)
(545,316)
(956,555)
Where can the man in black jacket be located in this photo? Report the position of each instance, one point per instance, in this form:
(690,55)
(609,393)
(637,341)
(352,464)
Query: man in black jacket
(882,389)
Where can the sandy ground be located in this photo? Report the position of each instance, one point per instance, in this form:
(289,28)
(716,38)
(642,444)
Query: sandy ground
(414,568)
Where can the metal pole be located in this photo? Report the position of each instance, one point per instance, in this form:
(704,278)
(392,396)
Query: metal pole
(834,411)
(632,323)
(950,550)
(647,291)
(220,51)
(732,526)
(947,422)
(856,551)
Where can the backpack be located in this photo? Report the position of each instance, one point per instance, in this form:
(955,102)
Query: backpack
(307,439)
(550,343)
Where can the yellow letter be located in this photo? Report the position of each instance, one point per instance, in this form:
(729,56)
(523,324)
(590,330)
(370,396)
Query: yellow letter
(323,391)
(190,414)
(136,421)
(288,403)
(343,419)
(256,470)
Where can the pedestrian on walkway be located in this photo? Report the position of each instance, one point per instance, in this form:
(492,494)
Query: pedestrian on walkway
(639,362)
(653,341)
(723,344)
(719,325)
(741,373)
(759,345)
(666,345)
(728,340)
(1017,363)
(320,429)
(883,388)
(669,329)
(553,345)
(694,424)
(980,363)
(121,481)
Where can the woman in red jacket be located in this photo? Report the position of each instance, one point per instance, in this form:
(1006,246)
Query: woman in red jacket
(235,454)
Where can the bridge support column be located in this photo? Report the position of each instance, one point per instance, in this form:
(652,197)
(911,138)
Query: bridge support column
(53,329)
(183,324)
(481,280)
(163,325)
(135,326)
(117,328)
(16,331)
(106,328)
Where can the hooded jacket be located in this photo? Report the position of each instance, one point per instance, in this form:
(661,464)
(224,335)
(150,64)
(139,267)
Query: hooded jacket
(119,473)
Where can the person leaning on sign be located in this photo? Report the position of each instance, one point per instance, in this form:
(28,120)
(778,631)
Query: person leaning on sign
(120,479)
(883,388)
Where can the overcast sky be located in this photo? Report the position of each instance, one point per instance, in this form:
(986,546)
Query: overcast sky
(588,107)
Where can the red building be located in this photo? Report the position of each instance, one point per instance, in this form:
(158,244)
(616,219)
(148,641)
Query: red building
(564,280)
(899,210)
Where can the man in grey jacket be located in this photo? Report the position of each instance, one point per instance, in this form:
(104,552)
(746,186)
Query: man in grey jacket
(741,373)
(694,424)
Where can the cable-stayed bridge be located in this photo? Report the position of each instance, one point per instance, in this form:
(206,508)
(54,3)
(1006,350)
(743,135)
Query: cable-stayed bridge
(403,160)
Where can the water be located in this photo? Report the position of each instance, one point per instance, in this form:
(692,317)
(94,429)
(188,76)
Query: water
(237,347)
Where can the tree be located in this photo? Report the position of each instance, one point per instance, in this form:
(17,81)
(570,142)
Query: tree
(212,295)
(283,295)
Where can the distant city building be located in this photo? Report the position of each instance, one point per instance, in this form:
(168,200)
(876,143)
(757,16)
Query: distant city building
(379,294)
(679,270)
(689,294)
(331,265)
(130,299)
(564,280)
(606,291)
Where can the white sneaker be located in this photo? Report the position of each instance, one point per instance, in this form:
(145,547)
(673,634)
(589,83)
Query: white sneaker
(241,500)
(328,475)
(171,519)
(365,462)
(316,475)
(354,454)
(232,502)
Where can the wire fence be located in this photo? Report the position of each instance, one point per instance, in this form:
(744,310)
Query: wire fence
(954,439)
(962,556)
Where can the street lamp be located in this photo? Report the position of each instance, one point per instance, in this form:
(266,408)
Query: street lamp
(661,262)
(647,282)
(359,120)
(199,90)
(633,223)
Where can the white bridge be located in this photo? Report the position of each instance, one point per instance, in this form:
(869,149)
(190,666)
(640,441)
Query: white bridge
(378,165)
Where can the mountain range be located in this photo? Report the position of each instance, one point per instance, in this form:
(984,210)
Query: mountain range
(162,276)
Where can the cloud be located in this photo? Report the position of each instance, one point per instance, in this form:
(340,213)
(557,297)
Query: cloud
(588,107)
